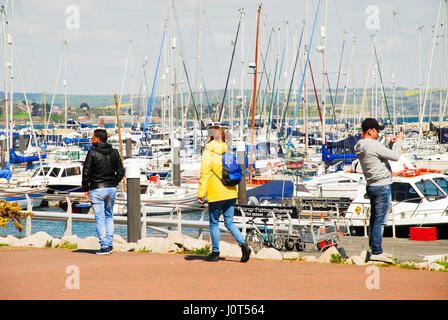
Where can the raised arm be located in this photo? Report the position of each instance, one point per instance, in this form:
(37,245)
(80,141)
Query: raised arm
(390,154)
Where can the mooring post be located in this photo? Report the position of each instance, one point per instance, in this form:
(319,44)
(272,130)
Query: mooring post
(3,147)
(128,148)
(133,202)
(22,146)
(29,208)
(176,162)
(68,222)
(241,155)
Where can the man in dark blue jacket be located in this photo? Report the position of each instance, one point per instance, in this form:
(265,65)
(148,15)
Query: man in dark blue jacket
(102,172)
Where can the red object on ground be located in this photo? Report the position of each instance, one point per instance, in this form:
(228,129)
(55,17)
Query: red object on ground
(423,233)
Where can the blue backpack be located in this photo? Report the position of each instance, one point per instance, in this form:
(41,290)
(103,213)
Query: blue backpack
(231,170)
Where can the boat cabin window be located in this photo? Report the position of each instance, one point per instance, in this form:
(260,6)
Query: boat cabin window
(55,172)
(261,151)
(442,183)
(428,188)
(41,172)
(344,181)
(74,171)
(402,191)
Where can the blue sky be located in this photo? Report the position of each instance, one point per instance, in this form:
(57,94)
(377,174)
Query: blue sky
(99,50)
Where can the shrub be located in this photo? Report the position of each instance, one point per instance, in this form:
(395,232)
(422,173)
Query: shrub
(67,245)
(337,258)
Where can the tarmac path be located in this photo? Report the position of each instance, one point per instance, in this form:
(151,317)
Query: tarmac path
(66,274)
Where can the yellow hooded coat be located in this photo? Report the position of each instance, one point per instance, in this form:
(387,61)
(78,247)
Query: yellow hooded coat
(209,184)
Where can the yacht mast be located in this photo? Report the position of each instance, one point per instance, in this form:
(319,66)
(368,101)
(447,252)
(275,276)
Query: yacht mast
(254,98)
(305,89)
(324,72)
(171,85)
(366,83)
(164,77)
(243,67)
(420,72)
(198,56)
(65,82)
(348,78)
(125,74)
(428,75)
(442,54)
(5,83)
(283,114)
(394,13)
(11,76)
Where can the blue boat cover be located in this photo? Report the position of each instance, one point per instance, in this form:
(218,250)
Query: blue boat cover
(15,158)
(76,140)
(6,173)
(273,190)
(295,133)
(327,156)
(346,145)
(442,133)
(340,150)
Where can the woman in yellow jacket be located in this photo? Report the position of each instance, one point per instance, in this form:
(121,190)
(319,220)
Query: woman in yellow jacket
(221,198)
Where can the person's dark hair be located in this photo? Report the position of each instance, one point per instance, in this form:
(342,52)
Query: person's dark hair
(371,123)
(101,134)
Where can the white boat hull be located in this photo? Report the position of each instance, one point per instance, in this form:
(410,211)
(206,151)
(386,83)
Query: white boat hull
(18,195)
(441,165)
(161,200)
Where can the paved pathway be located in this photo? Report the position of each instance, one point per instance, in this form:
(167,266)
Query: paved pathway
(46,273)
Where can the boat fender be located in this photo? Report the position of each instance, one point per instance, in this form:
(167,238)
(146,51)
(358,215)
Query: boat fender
(252,201)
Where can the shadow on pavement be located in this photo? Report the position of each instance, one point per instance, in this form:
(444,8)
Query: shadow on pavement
(85,251)
(191,257)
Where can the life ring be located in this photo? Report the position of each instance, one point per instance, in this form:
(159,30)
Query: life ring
(407,172)
(429,170)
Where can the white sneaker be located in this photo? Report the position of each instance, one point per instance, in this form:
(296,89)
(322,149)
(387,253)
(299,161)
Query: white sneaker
(389,255)
(380,257)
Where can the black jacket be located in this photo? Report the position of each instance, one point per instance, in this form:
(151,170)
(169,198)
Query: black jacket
(102,167)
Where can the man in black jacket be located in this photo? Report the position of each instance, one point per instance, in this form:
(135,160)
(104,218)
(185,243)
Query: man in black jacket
(102,172)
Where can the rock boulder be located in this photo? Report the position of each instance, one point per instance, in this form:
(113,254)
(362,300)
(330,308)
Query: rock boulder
(269,253)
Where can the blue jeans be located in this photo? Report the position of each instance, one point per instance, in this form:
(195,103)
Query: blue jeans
(103,200)
(380,203)
(214,211)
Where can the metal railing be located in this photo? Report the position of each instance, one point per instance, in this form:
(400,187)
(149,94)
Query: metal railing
(174,219)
